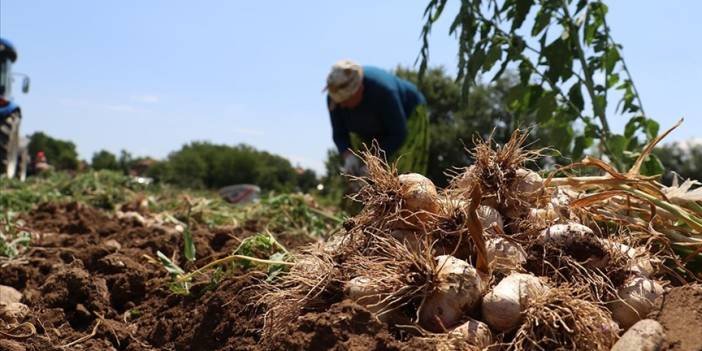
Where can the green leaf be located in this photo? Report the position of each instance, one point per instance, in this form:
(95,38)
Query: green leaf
(485,29)
(582,142)
(627,102)
(581,5)
(188,245)
(169,265)
(599,104)
(547,104)
(521,12)
(617,145)
(652,127)
(517,47)
(259,245)
(275,270)
(612,80)
(652,166)
(593,21)
(475,63)
(459,20)
(543,18)
(575,95)
(494,54)
(631,127)
(514,97)
(611,57)
(525,71)
(558,59)
(507,5)
(590,130)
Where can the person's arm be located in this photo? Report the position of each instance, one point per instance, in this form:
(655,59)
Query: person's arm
(340,133)
(395,122)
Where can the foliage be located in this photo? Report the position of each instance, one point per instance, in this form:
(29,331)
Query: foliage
(12,238)
(125,161)
(207,165)
(306,180)
(295,214)
(262,246)
(59,153)
(102,189)
(188,243)
(177,287)
(104,159)
(568,66)
(683,159)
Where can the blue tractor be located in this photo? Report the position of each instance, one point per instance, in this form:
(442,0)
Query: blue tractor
(13,152)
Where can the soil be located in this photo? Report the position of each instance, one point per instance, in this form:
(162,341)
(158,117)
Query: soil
(680,313)
(91,283)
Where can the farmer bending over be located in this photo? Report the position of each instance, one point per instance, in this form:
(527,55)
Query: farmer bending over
(367,103)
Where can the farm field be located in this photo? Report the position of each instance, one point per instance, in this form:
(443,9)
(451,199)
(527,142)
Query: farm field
(99,261)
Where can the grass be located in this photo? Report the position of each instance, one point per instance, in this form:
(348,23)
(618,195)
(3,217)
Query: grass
(102,189)
(274,215)
(13,240)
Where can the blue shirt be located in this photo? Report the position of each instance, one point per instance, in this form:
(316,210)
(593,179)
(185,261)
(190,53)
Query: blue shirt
(387,103)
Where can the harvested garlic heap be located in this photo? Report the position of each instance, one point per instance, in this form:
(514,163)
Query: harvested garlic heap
(496,258)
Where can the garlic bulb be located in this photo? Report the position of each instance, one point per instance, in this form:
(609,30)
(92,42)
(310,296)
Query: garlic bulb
(419,193)
(504,255)
(489,216)
(474,332)
(528,184)
(420,201)
(636,298)
(560,234)
(502,307)
(458,290)
(640,262)
(362,291)
(575,236)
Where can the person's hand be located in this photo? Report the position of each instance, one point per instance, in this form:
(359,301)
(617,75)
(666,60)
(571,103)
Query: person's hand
(353,165)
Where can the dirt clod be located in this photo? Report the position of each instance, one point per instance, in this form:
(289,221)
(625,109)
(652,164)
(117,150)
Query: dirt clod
(344,326)
(680,313)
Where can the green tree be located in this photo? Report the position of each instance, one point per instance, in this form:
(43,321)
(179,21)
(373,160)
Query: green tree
(684,160)
(59,153)
(559,58)
(207,165)
(104,159)
(307,180)
(125,161)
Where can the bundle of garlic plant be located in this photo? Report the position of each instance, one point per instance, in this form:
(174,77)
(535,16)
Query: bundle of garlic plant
(501,258)
(670,216)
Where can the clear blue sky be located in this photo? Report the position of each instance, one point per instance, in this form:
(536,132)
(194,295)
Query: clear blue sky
(148,76)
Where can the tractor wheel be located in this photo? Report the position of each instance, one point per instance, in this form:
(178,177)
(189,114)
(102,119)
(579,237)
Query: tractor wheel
(9,144)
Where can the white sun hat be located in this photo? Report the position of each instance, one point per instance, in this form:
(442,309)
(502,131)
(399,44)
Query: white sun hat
(344,80)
